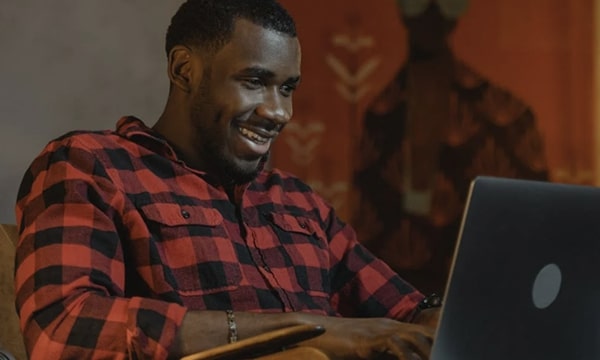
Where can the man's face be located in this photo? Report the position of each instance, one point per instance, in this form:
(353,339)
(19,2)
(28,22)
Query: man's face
(245,99)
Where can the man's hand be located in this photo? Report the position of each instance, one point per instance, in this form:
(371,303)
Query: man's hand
(372,338)
(428,317)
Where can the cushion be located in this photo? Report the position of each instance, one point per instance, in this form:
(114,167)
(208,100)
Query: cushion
(11,340)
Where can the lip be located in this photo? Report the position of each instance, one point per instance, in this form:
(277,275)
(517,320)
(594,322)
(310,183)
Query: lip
(265,130)
(248,148)
(269,135)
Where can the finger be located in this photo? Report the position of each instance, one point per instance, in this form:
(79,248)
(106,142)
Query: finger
(386,355)
(407,349)
(415,356)
(418,343)
(427,332)
(399,353)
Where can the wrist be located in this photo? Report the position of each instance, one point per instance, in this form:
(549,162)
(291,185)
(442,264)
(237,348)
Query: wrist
(302,318)
(432,301)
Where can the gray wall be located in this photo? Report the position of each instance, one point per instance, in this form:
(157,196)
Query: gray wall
(74,64)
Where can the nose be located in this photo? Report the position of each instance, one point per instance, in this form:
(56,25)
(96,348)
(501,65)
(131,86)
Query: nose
(275,107)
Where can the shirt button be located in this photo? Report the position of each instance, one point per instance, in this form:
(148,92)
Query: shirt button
(267,268)
(185,214)
(303,225)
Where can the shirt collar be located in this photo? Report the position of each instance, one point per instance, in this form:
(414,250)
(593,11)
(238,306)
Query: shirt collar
(134,129)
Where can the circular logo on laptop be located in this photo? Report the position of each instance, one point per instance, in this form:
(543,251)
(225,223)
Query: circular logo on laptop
(546,286)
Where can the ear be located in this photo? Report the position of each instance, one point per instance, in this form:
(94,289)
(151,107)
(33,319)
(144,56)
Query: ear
(181,67)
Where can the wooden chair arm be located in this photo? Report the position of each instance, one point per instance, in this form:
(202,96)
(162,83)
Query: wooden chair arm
(297,353)
(261,345)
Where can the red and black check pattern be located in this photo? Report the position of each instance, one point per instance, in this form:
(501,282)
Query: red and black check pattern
(119,238)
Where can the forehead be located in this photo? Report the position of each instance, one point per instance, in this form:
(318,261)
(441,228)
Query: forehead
(252,45)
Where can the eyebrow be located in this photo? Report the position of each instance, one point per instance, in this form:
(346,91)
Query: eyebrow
(265,74)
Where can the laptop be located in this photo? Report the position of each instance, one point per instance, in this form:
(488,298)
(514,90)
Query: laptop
(525,280)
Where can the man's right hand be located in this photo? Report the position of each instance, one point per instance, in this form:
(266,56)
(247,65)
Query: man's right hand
(371,338)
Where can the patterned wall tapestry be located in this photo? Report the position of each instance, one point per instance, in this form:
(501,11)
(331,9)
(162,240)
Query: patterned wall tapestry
(349,51)
(393,139)
(542,50)
(518,85)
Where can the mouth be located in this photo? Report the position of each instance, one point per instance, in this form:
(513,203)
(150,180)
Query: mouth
(254,136)
(255,141)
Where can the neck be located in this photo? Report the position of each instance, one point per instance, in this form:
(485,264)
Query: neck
(174,125)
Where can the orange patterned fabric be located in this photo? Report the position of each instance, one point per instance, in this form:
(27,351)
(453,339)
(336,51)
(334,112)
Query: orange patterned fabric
(542,50)
(413,225)
(345,61)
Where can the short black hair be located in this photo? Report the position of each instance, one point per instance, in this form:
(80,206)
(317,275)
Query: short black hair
(209,24)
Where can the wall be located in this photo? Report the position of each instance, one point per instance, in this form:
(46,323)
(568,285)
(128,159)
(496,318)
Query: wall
(72,64)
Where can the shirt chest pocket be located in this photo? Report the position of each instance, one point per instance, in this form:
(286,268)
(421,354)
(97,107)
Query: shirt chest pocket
(305,245)
(297,229)
(194,248)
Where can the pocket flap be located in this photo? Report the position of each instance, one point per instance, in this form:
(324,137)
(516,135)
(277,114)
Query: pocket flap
(177,215)
(292,223)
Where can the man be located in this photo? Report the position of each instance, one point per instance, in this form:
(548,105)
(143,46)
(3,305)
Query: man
(435,127)
(157,242)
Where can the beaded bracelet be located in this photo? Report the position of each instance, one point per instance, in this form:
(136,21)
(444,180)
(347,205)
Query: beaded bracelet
(431,301)
(232,326)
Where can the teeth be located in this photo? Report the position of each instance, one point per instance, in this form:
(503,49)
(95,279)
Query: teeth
(253,136)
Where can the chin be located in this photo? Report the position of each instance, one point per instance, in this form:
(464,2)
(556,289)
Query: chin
(242,171)
(242,177)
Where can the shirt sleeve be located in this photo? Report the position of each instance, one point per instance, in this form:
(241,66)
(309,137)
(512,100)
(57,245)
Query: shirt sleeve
(363,285)
(70,266)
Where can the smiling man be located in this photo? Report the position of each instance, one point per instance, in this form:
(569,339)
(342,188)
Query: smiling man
(155,242)
(226,107)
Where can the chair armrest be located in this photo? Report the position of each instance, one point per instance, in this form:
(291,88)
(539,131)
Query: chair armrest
(259,345)
(297,353)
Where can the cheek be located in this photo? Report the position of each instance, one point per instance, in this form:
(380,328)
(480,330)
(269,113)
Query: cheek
(237,99)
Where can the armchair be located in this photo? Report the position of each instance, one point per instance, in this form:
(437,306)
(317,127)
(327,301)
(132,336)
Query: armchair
(10,333)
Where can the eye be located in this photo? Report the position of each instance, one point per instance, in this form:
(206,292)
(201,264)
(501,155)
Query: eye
(287,90)
(253,83)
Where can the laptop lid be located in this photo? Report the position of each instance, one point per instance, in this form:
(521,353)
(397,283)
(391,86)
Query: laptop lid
(524,280)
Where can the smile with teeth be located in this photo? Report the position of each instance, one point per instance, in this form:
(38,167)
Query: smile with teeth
(251,135)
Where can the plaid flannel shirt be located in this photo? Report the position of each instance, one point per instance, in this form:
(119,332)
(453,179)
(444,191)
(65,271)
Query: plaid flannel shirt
(119,238)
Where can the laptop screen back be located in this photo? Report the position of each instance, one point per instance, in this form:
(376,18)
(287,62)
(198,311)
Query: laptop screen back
(524,281)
